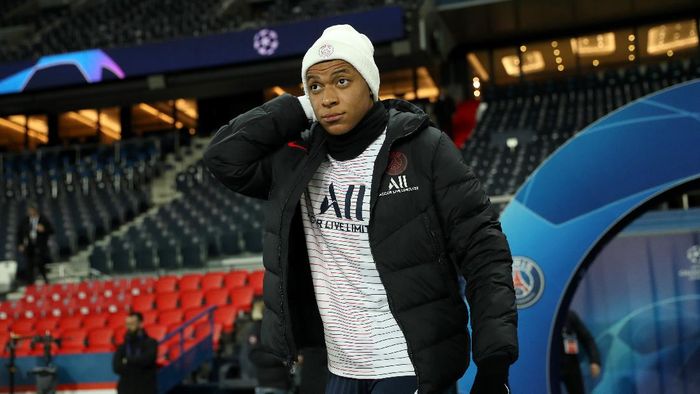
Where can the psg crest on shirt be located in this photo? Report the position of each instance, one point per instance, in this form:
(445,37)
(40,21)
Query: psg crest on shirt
(528,281)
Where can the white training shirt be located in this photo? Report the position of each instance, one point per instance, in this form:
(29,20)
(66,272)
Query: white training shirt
(363,338)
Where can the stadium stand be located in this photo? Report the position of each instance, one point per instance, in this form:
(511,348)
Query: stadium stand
(86,193)
(544,115)
(89,316)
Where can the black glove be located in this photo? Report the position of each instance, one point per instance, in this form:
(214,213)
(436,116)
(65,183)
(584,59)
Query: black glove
(492,376)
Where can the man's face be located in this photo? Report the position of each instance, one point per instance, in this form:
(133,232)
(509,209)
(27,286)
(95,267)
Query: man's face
(132,324)
(339,95)
(32,212)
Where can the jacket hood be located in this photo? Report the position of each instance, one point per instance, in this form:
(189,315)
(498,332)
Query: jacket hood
(405,118)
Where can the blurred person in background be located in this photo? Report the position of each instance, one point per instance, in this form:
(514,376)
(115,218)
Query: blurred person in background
(272,376)
(575,338)
(135,359)
(33,235)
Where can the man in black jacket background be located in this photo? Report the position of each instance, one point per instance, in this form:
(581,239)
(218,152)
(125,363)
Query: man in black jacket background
(371,217)
(135,359)
(33,235)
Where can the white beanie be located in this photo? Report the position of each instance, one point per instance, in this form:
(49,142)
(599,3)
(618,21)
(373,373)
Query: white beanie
(343,42)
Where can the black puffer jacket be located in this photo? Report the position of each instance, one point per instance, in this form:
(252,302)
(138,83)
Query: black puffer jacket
(434,222)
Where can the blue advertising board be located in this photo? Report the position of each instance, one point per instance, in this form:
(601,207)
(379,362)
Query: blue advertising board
(285,40)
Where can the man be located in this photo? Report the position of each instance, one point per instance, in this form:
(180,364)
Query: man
(369,220)
(272,376)
(576,336)
(33,241)
(135,359)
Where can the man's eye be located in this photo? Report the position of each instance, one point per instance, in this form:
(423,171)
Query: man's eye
(343,82)
(314,87)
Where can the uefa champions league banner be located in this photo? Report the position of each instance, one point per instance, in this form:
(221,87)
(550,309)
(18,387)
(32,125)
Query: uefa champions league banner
(285,40)
(571,202)
(640,299)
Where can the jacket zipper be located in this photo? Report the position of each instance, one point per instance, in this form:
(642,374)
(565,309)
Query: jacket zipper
(291,358)
(388,297)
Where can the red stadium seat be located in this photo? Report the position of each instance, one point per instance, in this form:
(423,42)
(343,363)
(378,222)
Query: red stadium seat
(116,320)
(70,323)
(38,291)
(101,340)
(192,312)
(4,337)
(166,284)
(57,312)
(24,348)
(167,301)
(91,322)
(115,306)
(7,311)
(203,329)
(150,317)
(49,324)
(217,297)
(212,280)
(119,333)
(145,283)
(235,279)
(169,317)
(143,303)
(5,327)
(174,350)
(73,341)
(191,299)
(255,279)
(38,350)
(226,316)
(187,331)
(30,313)
(242,298)
(156,331)
(190,282)
(23,327)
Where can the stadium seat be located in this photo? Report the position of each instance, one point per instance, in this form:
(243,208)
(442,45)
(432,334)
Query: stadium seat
(49,324)
(156,331)
(235,279)
(69,323)
(170,317)
(143,303)
(23,348)
(242,298)
(73,341)
(212,280)
(94,321)
(145,283)
(218,297)
(191,299)
(255,279)
(226,316)
(23,327)
(30,313)
(190,282)
(119,334)
(150,317)
(101,340)
(203,329)
(116,320)
(166,284)
(167,301)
